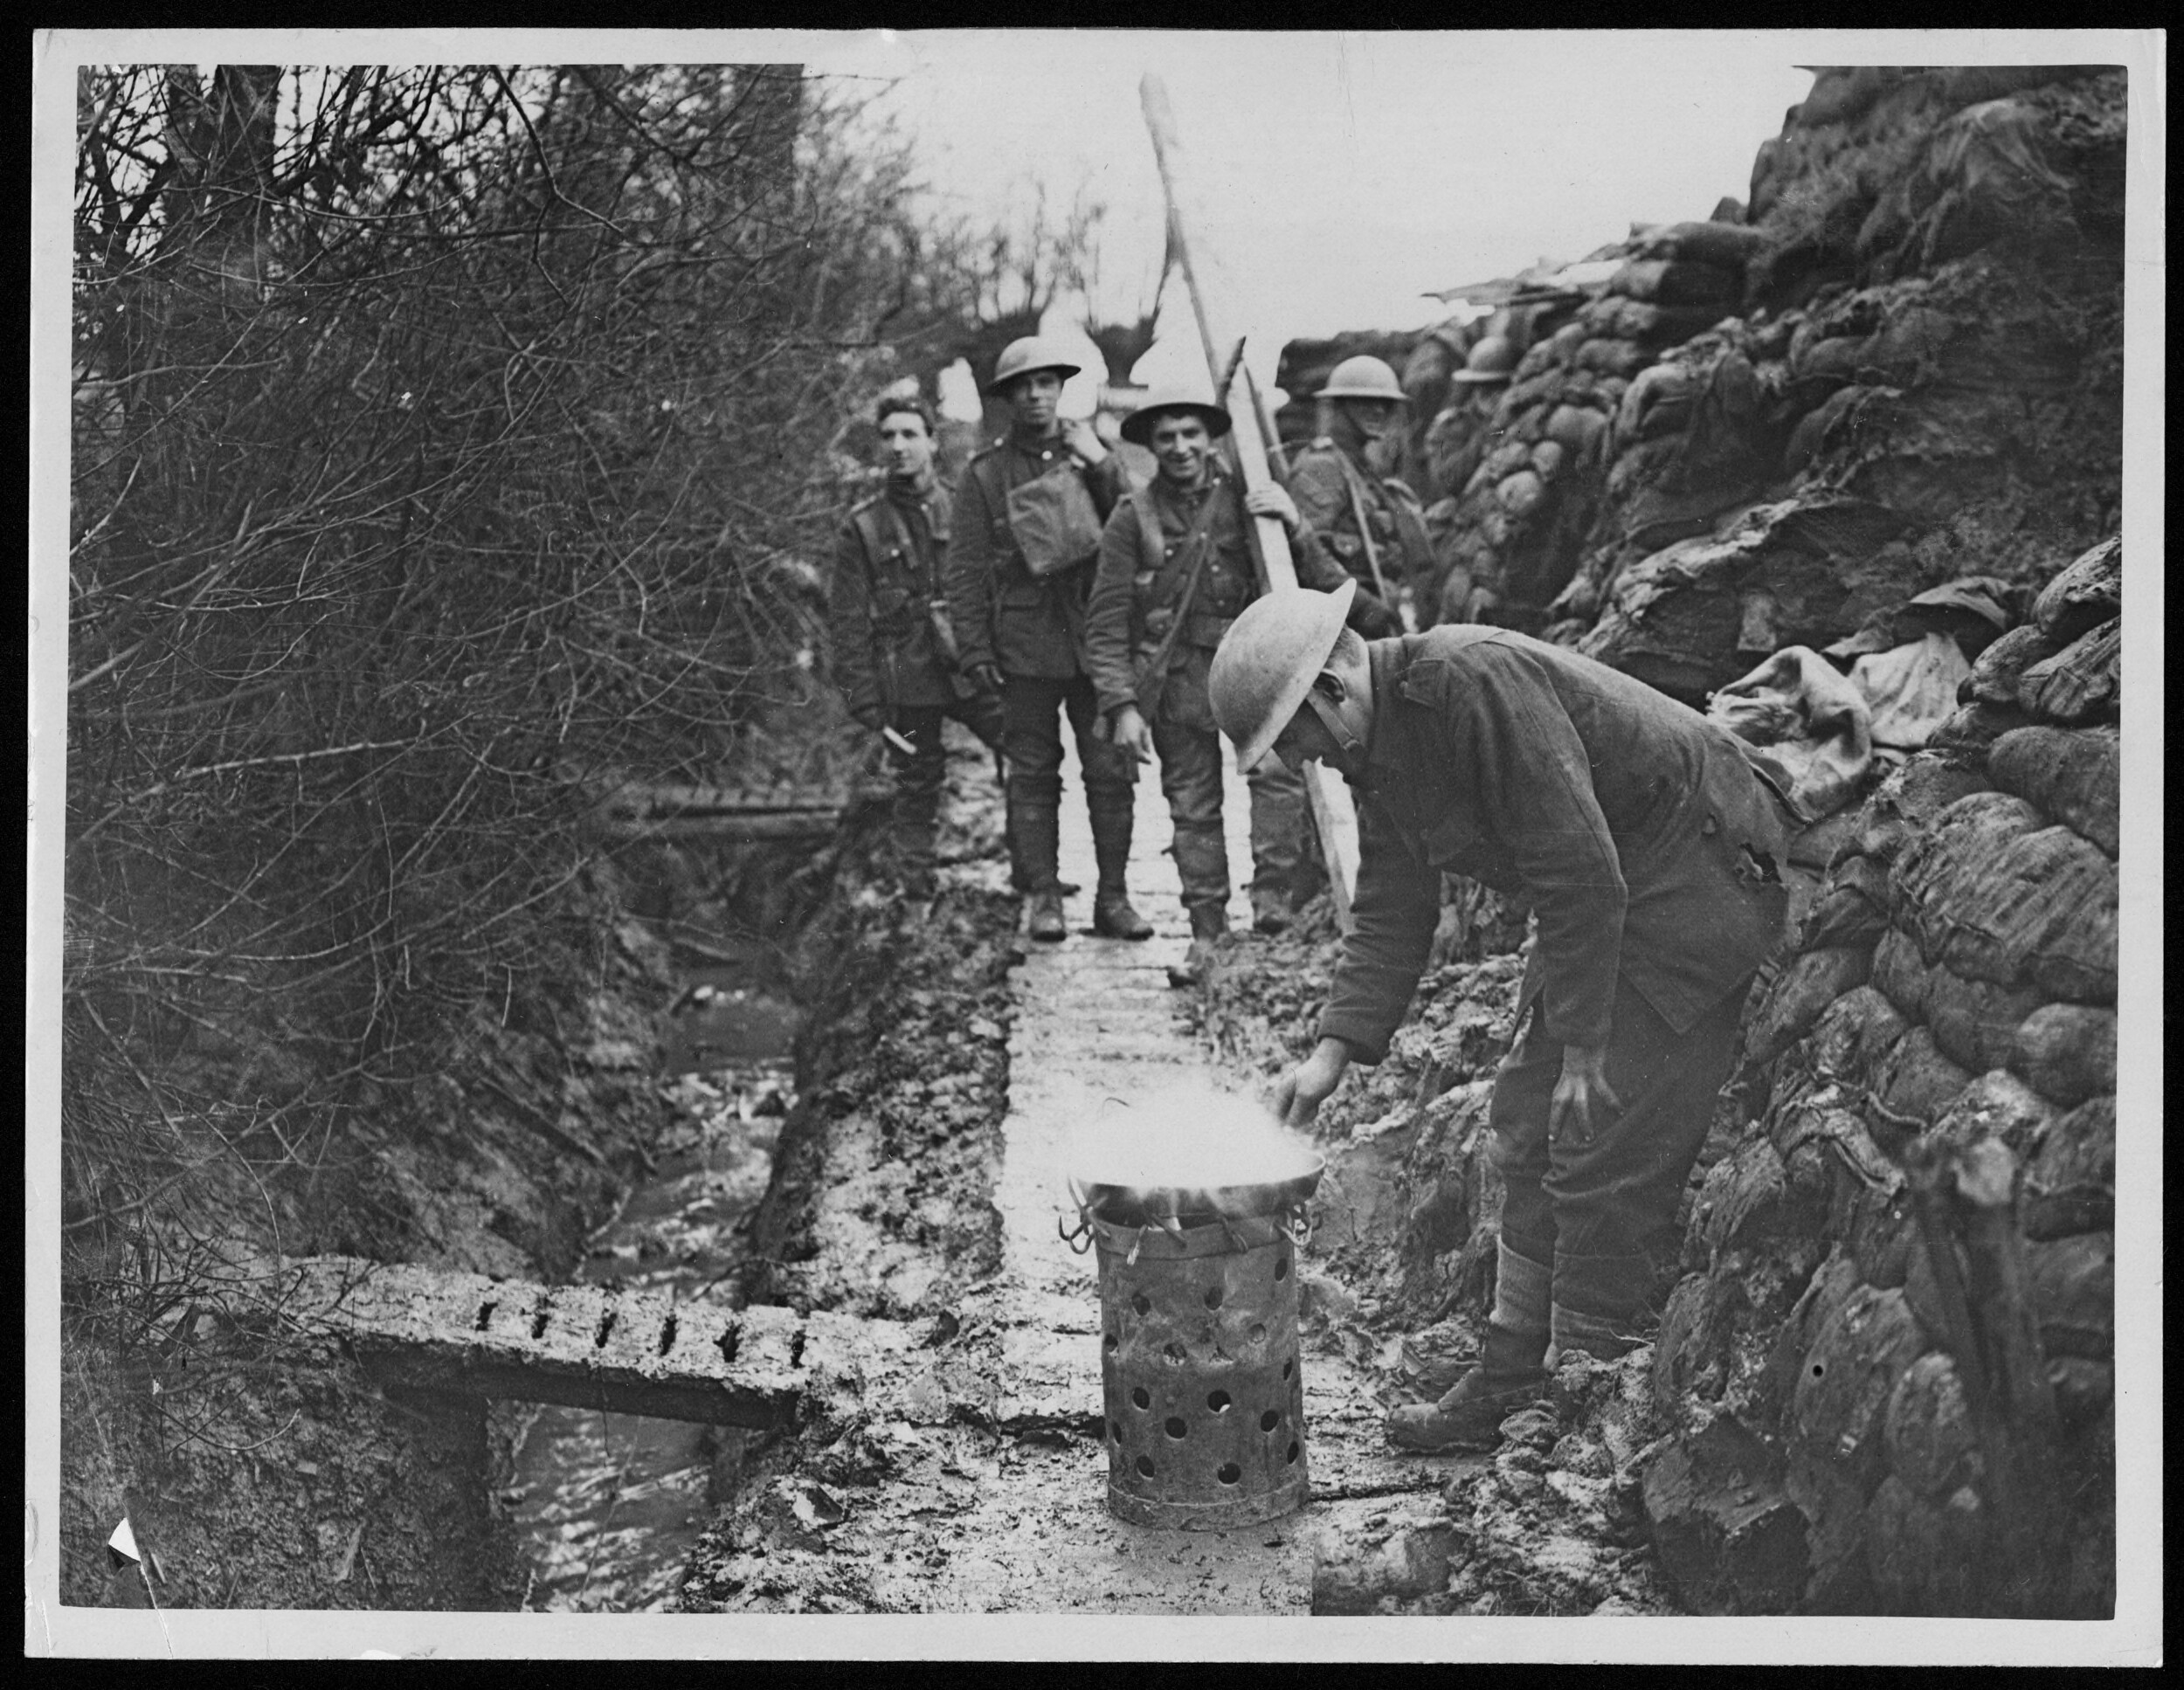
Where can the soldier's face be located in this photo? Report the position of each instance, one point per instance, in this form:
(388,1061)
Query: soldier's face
(1035,395)
(1180,445)
(905,446)
(1371,416)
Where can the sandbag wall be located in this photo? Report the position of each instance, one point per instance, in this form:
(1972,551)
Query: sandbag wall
(1919,316)
(1523,483)
(1954,980)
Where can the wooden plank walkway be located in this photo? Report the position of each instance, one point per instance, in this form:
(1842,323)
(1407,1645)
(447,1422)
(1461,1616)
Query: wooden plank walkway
(583,1346)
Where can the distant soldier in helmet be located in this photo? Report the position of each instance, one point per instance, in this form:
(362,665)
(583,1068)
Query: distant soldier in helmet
(894,647)
(1175,567)
(1019,569)
(1372,523)
(1458,439)
(1650,850)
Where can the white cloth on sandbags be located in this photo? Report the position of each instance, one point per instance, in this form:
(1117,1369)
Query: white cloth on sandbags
(1809,729)
(1911,690)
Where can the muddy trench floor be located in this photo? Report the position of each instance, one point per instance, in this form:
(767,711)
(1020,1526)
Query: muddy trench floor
(962,1468)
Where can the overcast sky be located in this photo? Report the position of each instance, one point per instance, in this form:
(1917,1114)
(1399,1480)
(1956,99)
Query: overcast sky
(1345,174)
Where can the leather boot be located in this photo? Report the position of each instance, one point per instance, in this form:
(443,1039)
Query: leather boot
(1207,924)
(1269,912)
(1047,923)
(1469,1414)
(1114,815)
(1035,844)
(1115,917)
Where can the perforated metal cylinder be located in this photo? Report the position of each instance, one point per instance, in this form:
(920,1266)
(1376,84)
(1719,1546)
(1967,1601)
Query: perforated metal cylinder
(1205,1388)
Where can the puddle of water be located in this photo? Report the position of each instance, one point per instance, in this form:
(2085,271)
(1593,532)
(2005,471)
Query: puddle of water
(607,1507)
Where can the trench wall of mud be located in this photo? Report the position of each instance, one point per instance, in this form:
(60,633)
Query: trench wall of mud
(259,1463)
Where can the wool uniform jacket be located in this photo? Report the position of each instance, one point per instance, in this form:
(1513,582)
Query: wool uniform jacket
(884,655)
(1130,592)
(1634,828)
(1004,615)
(1321,481)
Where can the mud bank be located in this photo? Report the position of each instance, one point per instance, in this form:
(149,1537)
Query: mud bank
(258,1463)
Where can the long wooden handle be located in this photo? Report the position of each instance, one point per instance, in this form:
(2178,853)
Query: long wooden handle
(1332,817)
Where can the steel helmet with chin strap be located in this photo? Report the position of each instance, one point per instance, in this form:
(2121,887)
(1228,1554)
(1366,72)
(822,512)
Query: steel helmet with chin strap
(1363,377)
(1022,357)
(1192,400)
(1267,660)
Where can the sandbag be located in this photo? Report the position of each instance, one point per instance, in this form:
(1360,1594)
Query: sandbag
(1798,996)
(2073,774)
(1994,678)
(1727,246)
(2078,1149)
(1855,1035)
(1819,844)
(2073,1286)
(1610,355)
(1974,726)
(2037,908)
(1899,973)
(2083,682)
(1619,318)
(2084,596)
(1911,799)
(2067,1052)
(1547,460)
(1927,1428)
(1917,1079)
(1577,428)
(1675,281)
(1975,1022)
(1911,690)
(1520,493)
(1852,1365)
(1852,907)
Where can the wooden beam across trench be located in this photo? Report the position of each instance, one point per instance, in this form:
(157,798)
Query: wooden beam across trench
(581,1346)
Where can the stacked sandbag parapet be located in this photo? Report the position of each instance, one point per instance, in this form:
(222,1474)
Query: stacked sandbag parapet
(1932,326)
(1509,534)
(1954,981)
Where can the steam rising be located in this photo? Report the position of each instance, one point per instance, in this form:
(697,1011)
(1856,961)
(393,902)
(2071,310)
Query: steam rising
(1187,1137)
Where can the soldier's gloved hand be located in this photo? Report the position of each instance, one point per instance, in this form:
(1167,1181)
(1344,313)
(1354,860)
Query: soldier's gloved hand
(1297,1097)
(869,717)
(1271,501)
(1133,736)
(986,677)
(1583,1102)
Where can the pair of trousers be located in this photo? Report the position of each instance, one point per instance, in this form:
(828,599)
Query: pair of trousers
(1031,708)
(922,772)
(1599,1219)
(1190,779)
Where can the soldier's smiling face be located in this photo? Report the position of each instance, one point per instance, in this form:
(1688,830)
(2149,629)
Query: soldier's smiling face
(1035,396)
(905,446)
(1180,443)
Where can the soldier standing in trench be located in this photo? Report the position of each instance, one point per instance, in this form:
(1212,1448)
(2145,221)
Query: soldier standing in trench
(1458,439)
(894,653)
(1175,567)
(1649,849)
(1017,586)
(1372,525)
